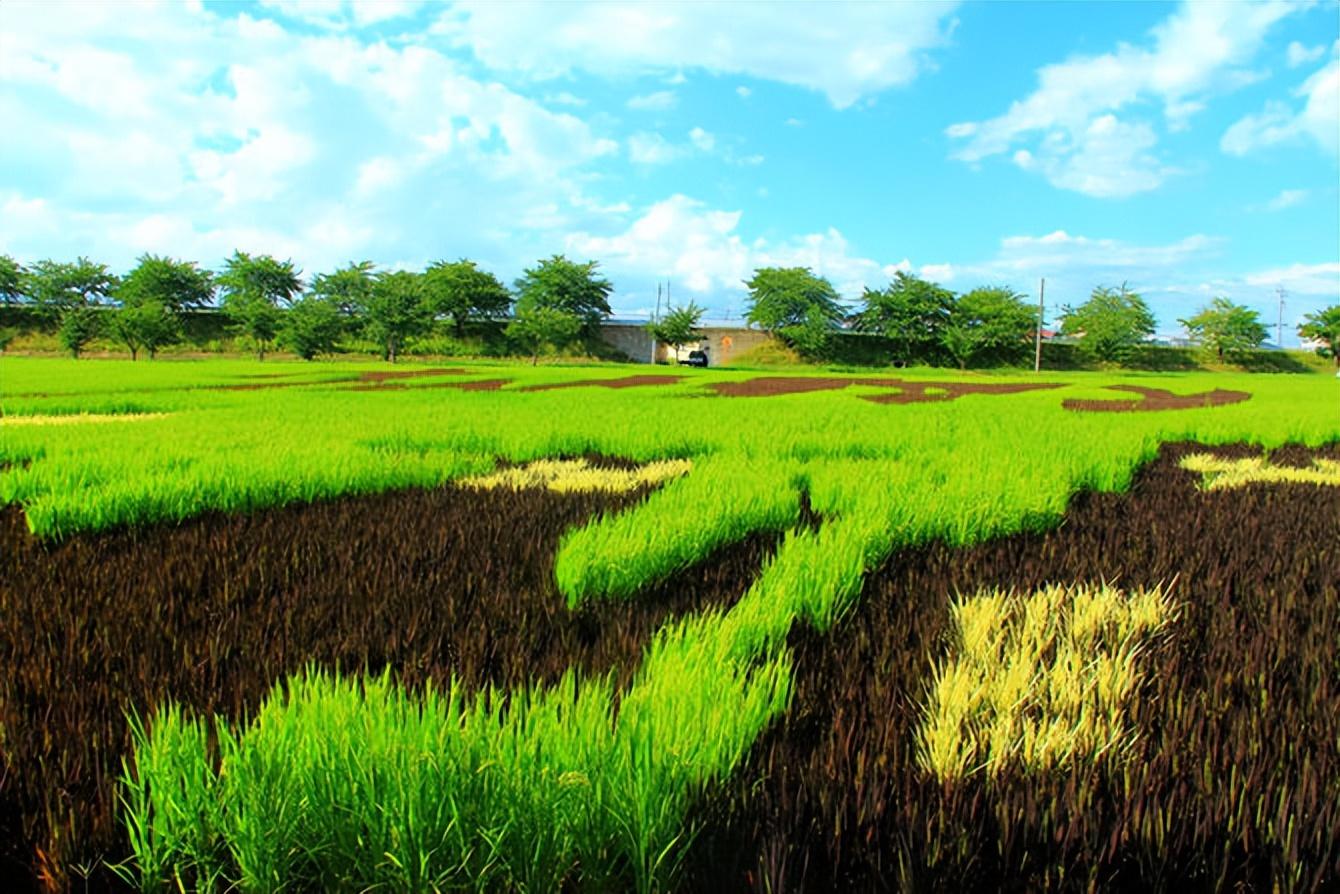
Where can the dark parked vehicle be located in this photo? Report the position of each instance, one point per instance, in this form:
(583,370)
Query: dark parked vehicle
(695,358)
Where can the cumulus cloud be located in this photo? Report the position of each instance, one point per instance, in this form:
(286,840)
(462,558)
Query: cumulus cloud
(1321,280)
(659,101)
(1316,121)
(1297,54)
(702,250)
(1069,127)
(1287,198)
(861,49)
(193,131)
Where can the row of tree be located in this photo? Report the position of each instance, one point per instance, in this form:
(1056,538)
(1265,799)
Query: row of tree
(929,324)
(558,302)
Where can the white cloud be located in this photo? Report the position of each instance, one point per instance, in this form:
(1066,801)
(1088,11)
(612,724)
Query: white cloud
(1278,123)
(702,139)
(860,50)
(939,273)
(1297,54)
(1287,198)
(564,98)
(794,122)
(645,148)
(701,249)
(659,101)
(186,131)
(1321,280)
(743,92)
(1111,159)
(1070,120)
(341,14)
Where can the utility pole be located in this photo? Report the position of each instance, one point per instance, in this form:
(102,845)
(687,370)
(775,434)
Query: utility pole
(1037,350)
(1279,321)
(655,319)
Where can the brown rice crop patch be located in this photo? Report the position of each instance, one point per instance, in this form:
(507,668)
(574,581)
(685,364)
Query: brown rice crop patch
(1155,399)
(625,382)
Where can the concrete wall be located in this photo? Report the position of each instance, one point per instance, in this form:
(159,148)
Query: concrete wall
(722,343)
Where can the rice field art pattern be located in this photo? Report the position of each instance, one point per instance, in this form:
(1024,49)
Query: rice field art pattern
(650,636)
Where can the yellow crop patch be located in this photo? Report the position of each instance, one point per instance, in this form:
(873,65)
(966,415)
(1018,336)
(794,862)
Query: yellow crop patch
(578,475)
(1039,680)
(1221,473)
(78,418)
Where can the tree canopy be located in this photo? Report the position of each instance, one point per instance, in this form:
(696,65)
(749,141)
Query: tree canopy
(11,280)
(396,311)
(176,285)
(145,325)
(678,327)
(1324,327)
(57,286)
(462,291)
(782,297)
(260,277)
(349,287)
(988,324)
(535,326)
(910,312)
(1110,324)
(1225,327)
(312,326)
(560,284)
(252,289)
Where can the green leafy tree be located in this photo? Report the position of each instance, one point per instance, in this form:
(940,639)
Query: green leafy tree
(349,288)
(176,285)
(990,324)
(781,297)
(79,326)
(1110,324)
(678,327)
(535,326)
(396,311)
(910,312)
(145,325)
(312,326)
(56,287)
(12,277)
(813,335)
(1324,327)
(576,289)
(252,289)
(1225,327)
(462,291)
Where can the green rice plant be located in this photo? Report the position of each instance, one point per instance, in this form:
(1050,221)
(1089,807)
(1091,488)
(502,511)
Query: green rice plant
(615,556)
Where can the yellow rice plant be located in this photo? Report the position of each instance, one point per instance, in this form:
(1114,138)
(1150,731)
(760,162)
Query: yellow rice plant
(579,476)
(1037,681)
(77,418)
(1219,473)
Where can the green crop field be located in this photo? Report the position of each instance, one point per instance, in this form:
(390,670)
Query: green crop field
(284,626)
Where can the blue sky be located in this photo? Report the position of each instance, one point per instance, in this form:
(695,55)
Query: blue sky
(1187,149)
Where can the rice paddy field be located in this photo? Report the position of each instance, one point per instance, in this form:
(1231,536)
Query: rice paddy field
(353,627)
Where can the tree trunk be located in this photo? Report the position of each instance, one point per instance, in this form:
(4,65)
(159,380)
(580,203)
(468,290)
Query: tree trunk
(535,359)
(391,349)
(134,354)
